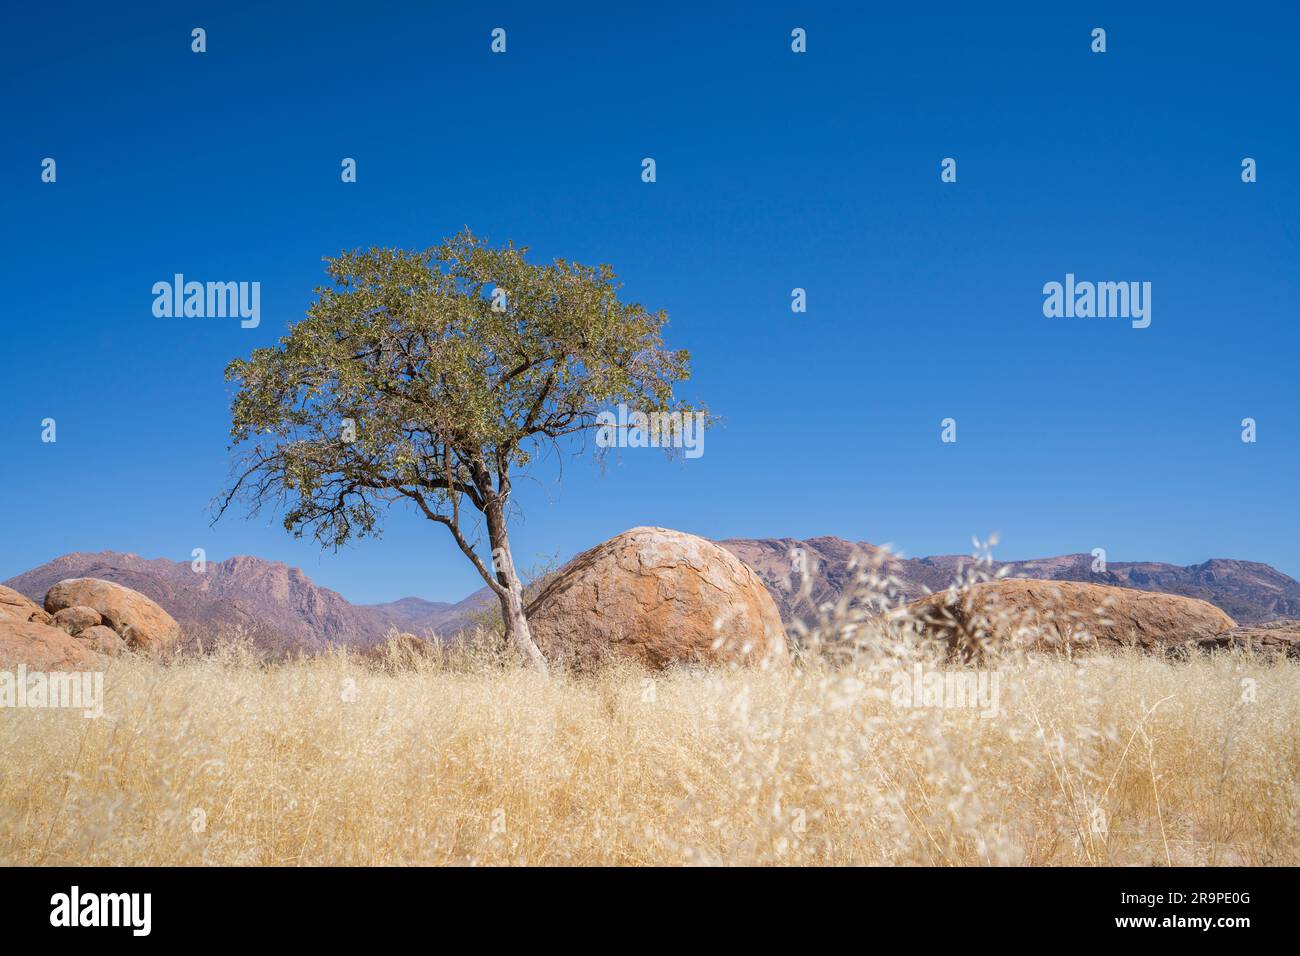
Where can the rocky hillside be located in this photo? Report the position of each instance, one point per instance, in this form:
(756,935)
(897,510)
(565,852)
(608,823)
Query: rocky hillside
(278,606)
(413,615)
(281,608)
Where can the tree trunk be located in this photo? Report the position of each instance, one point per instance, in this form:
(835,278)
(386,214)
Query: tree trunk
(512,602)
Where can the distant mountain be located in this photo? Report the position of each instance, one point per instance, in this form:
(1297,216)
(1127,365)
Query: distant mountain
(828,560)
(280,608)
(1247,590)
(410,614)
(417,616)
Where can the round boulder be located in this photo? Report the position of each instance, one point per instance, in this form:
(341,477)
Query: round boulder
(18,607)
(102,640)
(137,620)
(1050,615)
(43,648)
(77,618)
(659,597)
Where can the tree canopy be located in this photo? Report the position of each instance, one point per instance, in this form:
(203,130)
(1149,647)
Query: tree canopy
(432,377)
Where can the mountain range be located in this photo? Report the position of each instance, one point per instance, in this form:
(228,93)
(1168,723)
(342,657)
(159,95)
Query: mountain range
(280,608)
(1248,591)
(276,605)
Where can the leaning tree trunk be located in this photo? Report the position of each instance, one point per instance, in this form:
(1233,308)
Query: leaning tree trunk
(512,602)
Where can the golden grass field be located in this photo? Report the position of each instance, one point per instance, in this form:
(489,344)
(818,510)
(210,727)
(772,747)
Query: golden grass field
(224,759)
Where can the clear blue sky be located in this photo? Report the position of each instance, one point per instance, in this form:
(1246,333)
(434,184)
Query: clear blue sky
(775,170)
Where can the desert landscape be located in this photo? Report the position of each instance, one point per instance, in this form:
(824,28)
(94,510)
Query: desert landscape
(449,436)
(280,609)
(686,724)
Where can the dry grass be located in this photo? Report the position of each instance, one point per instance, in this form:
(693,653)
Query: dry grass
(228,760)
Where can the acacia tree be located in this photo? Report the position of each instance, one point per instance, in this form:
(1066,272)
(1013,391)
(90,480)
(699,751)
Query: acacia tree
(435,378)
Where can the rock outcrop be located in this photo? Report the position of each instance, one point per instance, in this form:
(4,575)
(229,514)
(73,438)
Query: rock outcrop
(1272,640)
(77,618)
(659,597)
(18,607)
(1060,615)
(140,622)
(102,640)
(43,648)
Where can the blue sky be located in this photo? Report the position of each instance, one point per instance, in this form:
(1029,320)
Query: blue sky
(775,171)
